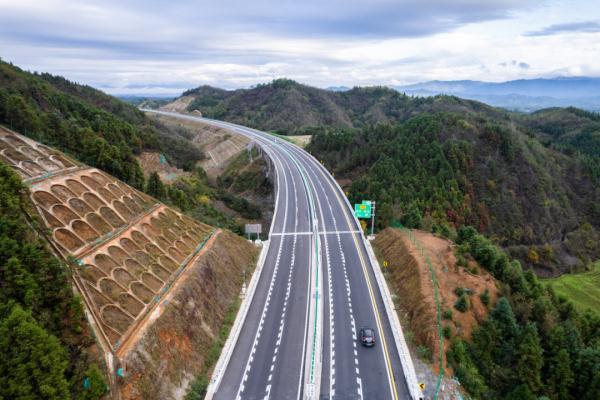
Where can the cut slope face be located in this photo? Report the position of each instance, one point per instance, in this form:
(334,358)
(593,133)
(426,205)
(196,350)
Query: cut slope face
(220,145)
(410,278)
(183,341)
(128,248)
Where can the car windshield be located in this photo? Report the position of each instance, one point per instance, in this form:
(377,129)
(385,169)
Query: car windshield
(368,332)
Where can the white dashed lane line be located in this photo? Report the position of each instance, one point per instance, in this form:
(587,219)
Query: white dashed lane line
(268,300)
(287,296)
(348,291)
(337,233)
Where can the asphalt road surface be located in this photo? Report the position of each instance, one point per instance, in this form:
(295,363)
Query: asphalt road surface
(284,343)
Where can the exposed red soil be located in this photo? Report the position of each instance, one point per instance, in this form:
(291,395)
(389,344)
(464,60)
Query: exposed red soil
(410,278)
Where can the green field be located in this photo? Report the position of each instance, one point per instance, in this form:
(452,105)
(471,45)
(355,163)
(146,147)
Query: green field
(582,289)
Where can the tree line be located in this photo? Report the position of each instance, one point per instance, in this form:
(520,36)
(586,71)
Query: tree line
(534,344)
(44,339)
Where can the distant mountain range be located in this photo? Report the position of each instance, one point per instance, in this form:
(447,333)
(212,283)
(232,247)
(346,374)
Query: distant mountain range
(522,95)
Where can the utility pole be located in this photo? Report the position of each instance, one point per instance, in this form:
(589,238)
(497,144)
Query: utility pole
(372,217)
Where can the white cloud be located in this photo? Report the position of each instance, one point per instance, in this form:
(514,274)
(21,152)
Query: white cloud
(157,47)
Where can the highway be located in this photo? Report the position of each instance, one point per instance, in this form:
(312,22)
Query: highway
(317,287)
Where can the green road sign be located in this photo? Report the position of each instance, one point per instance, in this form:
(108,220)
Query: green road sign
(363,210)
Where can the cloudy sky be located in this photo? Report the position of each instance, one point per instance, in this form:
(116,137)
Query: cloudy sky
(164,47)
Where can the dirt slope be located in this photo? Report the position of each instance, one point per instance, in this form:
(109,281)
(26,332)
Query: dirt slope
(153,161)
(409,277)
(173,350)
(178,105)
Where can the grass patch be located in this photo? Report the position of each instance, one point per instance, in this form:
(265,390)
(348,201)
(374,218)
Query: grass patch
(582,289)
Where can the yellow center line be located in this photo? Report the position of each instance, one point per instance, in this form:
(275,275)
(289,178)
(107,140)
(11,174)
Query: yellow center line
(373,302)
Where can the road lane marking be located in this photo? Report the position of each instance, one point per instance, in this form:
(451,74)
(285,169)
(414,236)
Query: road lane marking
(288,288)
(262,136)
(370,289)
(267,302)
(345,271)
(310,233)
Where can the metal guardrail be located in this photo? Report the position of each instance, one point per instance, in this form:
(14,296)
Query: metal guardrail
(403,352)
(438,306)
(240,318)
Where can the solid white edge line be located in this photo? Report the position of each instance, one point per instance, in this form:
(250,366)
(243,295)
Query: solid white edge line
(240,319)
(401,346)
(273,277)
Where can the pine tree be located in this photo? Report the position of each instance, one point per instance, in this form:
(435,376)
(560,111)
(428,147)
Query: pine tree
(560,375)
(19,284)
(97,386)
(505,319)
(33,363)
(587,371)
(530,359)
(155,187)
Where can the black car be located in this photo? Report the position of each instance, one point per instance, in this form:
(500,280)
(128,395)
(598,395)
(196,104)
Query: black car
(367,336)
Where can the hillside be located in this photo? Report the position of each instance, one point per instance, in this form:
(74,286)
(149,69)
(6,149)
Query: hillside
(534,344)
(530,181)
(114,136)
(440,170)
(47,348)
(130,259)
(289,107)
(569,129)
(582,289)
(97,129)
(408,255)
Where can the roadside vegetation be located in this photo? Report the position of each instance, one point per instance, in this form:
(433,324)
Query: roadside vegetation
(529,181)
(200,384)
(107,133)
(197,197)
(93,127)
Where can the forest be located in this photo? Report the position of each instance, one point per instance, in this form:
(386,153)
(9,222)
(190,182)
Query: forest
(440,171)
(107,133)
(45,342)
(93,127)
(534,344)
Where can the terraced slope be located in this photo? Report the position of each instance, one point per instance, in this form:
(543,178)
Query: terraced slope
(127,247)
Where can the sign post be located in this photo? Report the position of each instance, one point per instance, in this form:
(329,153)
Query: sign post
(366,210)
(253,229)
(373,218)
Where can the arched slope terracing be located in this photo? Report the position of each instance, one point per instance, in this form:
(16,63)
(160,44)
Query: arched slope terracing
(129,248)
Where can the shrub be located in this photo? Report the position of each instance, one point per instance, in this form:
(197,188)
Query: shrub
(462,304)
(485,297)
(447,314)
(447,331)
(424,352)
